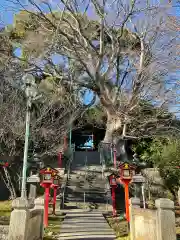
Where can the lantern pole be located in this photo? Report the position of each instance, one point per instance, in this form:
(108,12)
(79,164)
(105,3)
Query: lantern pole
(113,185)
(54,200)
(126,174)
(126,186)
(114,201)
(114,151)
(143,196)
(46,206)
(24,176)
(31,94)
(111,148)
(47,183)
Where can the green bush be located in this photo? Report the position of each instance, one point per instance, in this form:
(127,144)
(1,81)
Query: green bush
(164,153)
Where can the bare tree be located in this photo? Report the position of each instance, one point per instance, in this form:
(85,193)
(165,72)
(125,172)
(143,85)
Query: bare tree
(120,50)
(50,119)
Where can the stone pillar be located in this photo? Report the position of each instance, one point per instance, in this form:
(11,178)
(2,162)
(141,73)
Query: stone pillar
(133,203)
(39,204)
(33,190)
(18,227)
(166,227)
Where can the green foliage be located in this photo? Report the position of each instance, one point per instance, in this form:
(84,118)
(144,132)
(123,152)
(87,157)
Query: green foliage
(149,150)
(95,115)
(168,160)
(163,153)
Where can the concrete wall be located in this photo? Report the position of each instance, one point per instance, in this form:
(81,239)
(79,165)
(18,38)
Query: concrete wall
(90,157)
(158,224)
(26,222)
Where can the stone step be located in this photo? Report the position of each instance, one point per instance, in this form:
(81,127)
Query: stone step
(88,188)
(76,196)
(86,232)
(86,225)
(86,220)
(80,191)
(85,183)
(91,236)
(82,196)
(88,201)
(85,214)
(82,229)
(77,210)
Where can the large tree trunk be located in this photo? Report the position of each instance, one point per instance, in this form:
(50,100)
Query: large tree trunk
(121,151)
(113,124)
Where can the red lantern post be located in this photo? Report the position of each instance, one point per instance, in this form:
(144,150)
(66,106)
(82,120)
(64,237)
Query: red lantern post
(114,152)
(46,182)
(55,186)
(126,173)
(113,186)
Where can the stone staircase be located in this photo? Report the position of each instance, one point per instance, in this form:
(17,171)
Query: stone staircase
(91,225)
(86,187)
(85,201)
(86,190)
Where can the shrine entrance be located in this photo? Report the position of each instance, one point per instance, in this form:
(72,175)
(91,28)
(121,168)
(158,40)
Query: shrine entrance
(86,141)
(87,138)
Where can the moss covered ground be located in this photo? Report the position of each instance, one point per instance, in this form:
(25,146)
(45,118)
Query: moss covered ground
(119,226)
(5,212)
(54,227)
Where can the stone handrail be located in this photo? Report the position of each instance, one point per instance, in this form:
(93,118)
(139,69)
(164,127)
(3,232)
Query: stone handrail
(104,175)
(93,192)
(26,222)
(66,177)
(158,224)
(35,226)
(68,165)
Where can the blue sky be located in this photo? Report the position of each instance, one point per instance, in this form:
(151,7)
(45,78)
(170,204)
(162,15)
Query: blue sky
(8,9)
